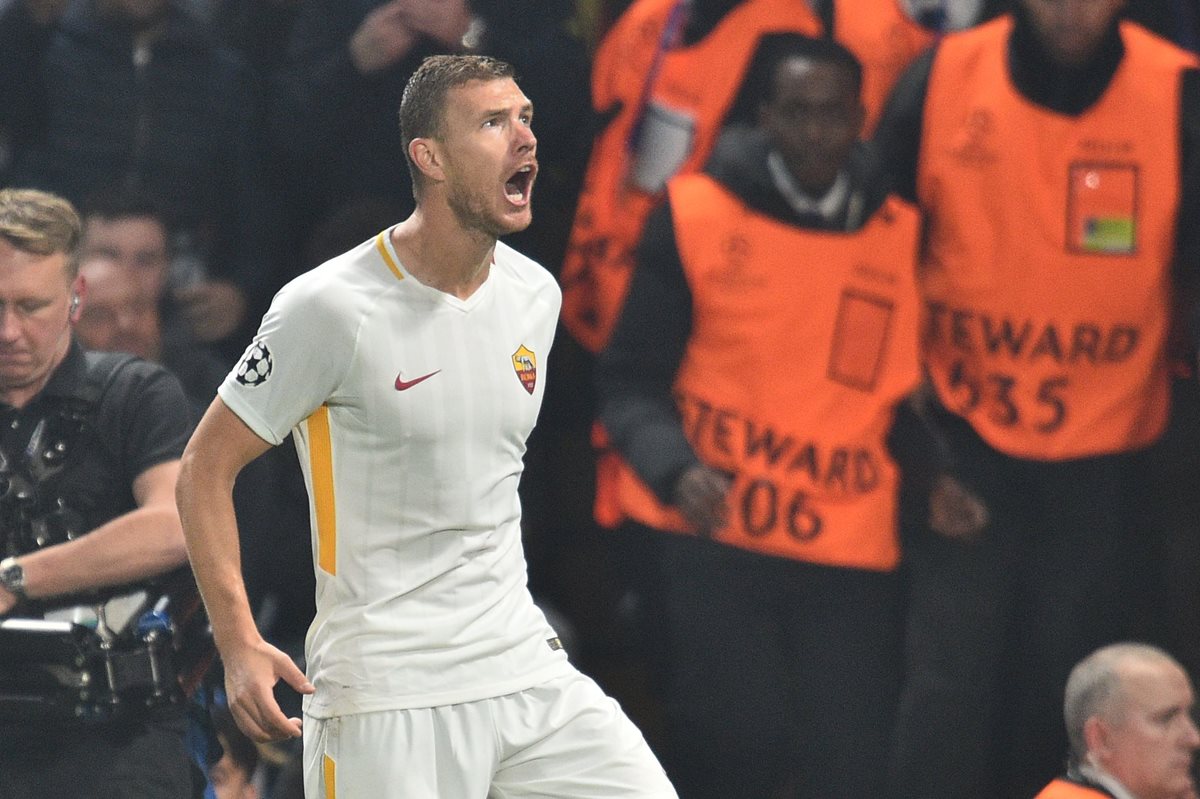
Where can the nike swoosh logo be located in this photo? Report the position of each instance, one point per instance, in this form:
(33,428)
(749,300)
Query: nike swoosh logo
(405,385)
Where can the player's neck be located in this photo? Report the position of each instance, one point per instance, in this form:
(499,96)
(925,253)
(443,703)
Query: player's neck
(438,252)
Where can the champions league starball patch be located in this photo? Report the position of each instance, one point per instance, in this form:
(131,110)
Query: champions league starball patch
(255,366)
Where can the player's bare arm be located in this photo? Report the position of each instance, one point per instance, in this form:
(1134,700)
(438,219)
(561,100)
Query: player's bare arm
(219,450)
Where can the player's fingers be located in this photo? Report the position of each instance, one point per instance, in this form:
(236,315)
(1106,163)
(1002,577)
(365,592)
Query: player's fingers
(286,668)
(271,720)
(247,722)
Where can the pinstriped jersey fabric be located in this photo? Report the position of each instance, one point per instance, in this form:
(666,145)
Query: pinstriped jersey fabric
(410,409)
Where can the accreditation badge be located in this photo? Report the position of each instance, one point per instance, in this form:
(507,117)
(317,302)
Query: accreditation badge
(860,337)
(1102,203)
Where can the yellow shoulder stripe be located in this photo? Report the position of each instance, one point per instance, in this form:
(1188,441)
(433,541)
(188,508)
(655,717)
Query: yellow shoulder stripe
(387,256)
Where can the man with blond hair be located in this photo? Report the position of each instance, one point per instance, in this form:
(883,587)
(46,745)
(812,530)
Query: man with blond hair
(89,453)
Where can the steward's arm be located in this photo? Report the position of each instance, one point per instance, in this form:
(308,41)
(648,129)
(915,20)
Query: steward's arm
(635,372)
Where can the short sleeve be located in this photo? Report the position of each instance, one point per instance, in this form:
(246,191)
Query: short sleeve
(297,360)
(151,418)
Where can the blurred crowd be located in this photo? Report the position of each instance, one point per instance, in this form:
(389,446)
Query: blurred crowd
(218,148)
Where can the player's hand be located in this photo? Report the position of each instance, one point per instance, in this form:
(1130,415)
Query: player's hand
(954,511)
(700,496)
(444,21)
(213,309)
(382,38)
(250,677)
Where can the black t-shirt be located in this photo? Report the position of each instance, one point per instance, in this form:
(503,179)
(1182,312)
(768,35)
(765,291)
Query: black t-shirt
(105,419)
(78,446)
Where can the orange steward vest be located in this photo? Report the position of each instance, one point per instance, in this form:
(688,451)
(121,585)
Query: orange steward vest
(680,115)
(885,39)
(802,343)
(1064,789)
(1046,270)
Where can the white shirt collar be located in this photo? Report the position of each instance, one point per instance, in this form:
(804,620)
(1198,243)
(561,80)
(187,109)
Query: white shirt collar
(1105,780)
(828,206)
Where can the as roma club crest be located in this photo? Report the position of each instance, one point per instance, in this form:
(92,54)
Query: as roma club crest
(525,364)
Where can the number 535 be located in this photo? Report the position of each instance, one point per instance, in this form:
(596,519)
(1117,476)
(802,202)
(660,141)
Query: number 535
(996,392)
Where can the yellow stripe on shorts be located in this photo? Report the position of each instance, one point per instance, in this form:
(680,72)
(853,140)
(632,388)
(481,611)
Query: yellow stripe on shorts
(330,778)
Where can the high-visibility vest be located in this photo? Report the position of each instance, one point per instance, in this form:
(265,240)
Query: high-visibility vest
(1046,271)
(1065,789)
(802,343)
(885,39)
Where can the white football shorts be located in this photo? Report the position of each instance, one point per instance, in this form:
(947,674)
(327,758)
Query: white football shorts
(564,739)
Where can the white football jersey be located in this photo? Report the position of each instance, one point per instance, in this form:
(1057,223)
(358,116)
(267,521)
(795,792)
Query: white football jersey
(410,409)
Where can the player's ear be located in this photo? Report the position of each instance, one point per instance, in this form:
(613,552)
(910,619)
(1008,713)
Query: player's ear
(428,157)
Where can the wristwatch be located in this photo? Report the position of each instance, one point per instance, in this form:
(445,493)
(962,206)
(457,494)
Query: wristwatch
(12,577)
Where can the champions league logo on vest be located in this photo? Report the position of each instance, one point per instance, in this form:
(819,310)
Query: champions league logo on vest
(972,144)
(525,364)
(255,366)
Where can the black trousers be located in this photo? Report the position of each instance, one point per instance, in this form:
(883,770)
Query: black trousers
(783,675)
(135,760)
(994,627)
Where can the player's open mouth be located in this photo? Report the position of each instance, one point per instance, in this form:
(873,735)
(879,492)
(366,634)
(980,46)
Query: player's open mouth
(517,187)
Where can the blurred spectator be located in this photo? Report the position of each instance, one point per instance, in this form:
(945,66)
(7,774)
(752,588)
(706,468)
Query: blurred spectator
(257,29)
(233,776)
(121,314)
(334,99)
(347,62)
(1045,150)
(770,332)
(661,57)
(134,93)
(130,228)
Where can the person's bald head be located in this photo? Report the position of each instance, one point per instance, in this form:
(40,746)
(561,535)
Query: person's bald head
(1128,712)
